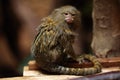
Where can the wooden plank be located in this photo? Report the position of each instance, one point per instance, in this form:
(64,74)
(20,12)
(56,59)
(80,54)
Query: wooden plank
(106,62)
(110,62)
(50,77)
(106,74)
(28,72)
(109,65)
(32,72)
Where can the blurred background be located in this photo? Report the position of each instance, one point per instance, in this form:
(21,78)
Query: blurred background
(18,22)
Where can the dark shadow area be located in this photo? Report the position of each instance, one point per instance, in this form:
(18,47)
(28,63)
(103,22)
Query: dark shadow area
(10,26)
(16,34)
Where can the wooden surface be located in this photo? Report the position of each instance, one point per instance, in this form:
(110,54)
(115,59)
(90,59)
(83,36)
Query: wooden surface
(107,76)
(112,73)
(52,77)
(109,65)
(28,72)
(32,72)
(106,62)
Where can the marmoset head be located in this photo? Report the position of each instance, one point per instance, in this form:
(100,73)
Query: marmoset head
(68,14)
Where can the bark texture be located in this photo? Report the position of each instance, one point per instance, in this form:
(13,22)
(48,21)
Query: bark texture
(106,28)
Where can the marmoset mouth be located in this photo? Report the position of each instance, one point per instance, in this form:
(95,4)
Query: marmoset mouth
(68,20)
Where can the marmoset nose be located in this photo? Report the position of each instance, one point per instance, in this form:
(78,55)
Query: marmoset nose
(69,18)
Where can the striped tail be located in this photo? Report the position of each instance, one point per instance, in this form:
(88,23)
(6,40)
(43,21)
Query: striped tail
(76,71)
